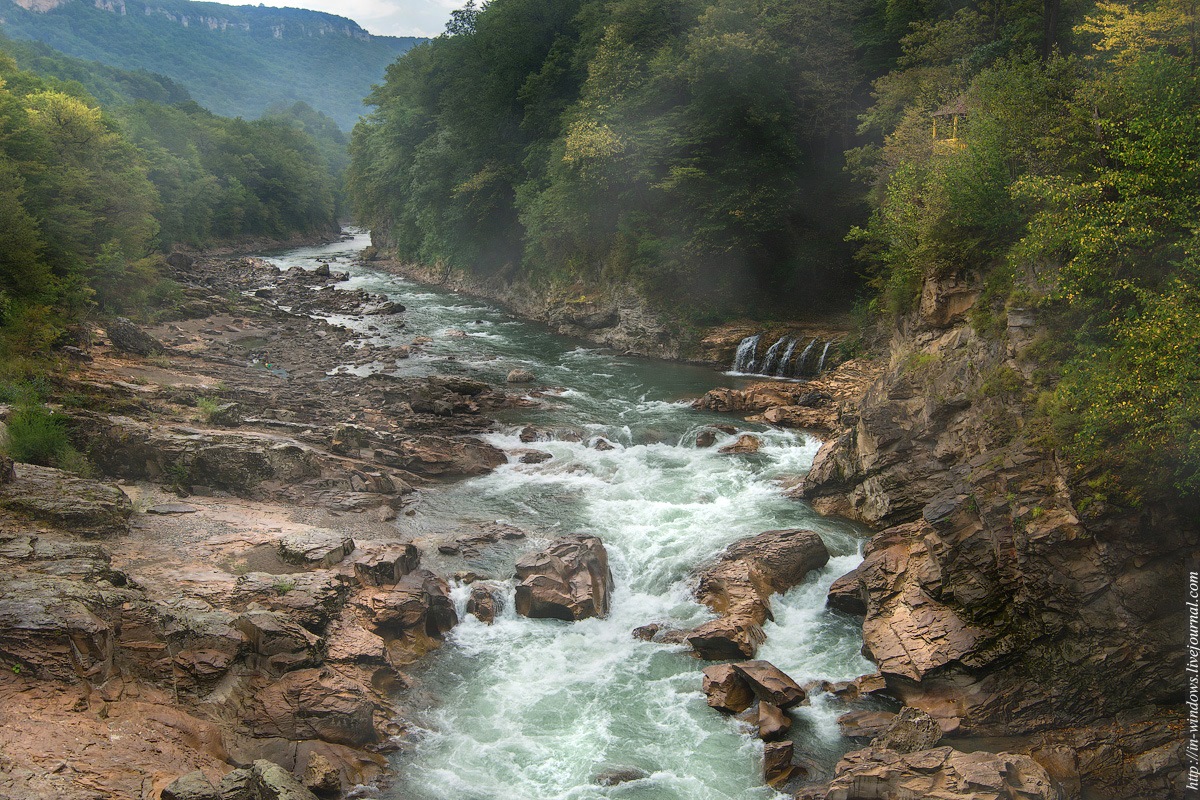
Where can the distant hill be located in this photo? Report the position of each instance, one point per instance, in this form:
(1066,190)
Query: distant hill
(235,60)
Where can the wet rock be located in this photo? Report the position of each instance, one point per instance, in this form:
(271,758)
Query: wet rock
(745,444)
(315,548)
(739,586)
(941,772)
(646,633)
(726,638)
(389,308)
(386,566)
(619,775)
(706,438)
(864,724)
(484,604)
(770,684)
(520,376)
(772,722)
(726,690)
(569,580)
(603,445)
(846,595)
(530,456)
(443,456)
(129,338)
(777,763)
(86,507)
(529,434)
(909,731)
(192,786)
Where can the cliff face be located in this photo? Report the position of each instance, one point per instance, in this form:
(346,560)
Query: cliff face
(993,603)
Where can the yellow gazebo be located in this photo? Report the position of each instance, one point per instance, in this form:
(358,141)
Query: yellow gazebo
(952,110)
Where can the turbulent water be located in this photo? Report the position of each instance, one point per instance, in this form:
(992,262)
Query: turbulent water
(538,709)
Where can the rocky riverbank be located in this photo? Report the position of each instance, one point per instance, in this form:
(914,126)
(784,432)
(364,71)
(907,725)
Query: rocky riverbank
(243,593)
(1002,595)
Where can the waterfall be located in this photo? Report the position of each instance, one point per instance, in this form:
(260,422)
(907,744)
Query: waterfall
(802,361)
(777,361)
(743,360)
(787,357)
(772,357)
(824,353)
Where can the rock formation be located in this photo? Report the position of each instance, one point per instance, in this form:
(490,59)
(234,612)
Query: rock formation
(570,580)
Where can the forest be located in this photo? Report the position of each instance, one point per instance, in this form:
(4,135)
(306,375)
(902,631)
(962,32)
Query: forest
(92,196)
(767,158)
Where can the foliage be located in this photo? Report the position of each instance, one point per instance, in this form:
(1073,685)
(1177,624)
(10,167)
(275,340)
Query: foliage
(1073,189)
(248,59)
(36,436)
(686,148)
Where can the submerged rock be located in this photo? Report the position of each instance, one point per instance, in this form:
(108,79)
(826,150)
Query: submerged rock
(569,580)
(521,376)
(745,444)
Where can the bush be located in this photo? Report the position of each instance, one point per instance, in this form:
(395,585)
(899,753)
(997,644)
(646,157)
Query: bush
(36,436)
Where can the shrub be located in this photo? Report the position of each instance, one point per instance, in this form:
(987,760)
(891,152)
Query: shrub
(37,436)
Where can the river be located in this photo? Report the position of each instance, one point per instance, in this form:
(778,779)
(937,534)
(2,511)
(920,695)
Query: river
(537,709)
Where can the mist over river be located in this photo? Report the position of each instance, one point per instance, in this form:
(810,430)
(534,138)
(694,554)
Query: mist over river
(538,709)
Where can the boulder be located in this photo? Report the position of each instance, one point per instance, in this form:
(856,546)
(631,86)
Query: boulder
(846,595)
(484,604)
(192,786)
(706,438)
(739,586)
(280,644)
(879,774)
(773,723)
(531,456)
(569,580)
(619,775)
(414,616)
(86,507)
(770,684)
(909,731)
(745,444)
(321,776)
(269,781)
(315,548)
(386,566)
(127,337)
(520,376)
(726,638)
(777,763)
(726,690)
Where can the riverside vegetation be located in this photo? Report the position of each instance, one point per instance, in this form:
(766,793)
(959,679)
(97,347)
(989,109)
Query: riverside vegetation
(1019,184)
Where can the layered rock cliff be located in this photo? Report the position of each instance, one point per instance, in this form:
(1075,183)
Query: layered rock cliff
(1001,596)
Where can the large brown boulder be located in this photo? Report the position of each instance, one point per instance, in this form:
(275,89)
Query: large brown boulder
(569,580)
(317,703)
(770,684)
(726,690)
(739,585)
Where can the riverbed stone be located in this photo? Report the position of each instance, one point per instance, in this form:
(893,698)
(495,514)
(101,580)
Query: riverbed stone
(773,723)
(570,580)
(777,762)
(770,684)
(726,690)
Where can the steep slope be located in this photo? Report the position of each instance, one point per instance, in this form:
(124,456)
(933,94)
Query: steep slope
(236,61)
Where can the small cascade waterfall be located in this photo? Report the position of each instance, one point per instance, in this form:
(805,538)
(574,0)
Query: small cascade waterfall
(780,359)
(743,360)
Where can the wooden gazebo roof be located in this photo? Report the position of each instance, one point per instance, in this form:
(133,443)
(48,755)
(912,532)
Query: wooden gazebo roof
(955,108)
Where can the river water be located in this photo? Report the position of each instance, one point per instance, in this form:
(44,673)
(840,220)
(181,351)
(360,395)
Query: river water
(538,709)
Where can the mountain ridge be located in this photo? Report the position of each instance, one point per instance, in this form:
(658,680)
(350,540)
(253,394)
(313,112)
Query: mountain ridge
(235,60)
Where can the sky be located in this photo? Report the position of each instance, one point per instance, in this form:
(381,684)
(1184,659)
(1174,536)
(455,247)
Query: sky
(383,17)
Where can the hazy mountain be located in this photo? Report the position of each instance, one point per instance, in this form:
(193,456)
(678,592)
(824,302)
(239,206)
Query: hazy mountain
(236,60)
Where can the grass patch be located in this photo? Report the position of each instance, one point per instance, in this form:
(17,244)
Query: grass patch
(35,435)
